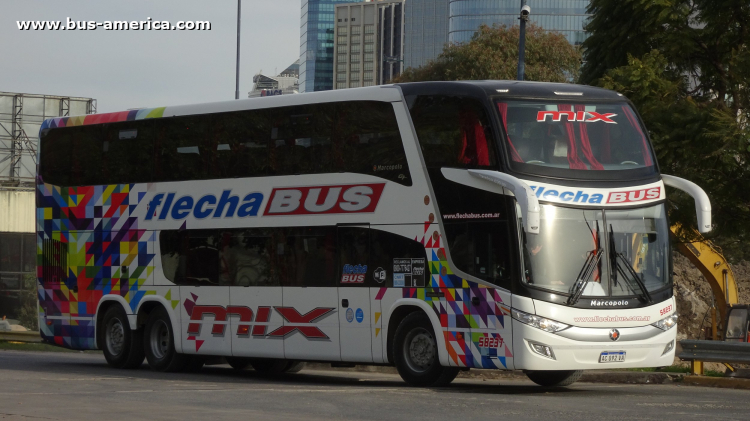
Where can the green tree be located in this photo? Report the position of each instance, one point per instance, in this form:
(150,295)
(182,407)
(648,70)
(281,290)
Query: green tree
(493,54)
(695,137)
(686,66)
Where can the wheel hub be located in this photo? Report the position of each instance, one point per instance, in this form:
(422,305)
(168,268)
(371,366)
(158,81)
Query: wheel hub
(159,339)
(420,351)
(115,337)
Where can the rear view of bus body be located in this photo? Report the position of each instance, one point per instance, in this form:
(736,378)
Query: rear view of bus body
(433,226)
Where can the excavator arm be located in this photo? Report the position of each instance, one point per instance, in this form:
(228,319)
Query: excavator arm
(715,268)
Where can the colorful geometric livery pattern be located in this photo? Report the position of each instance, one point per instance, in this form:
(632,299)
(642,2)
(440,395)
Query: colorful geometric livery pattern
(117,117)
(450,297)
(106,254)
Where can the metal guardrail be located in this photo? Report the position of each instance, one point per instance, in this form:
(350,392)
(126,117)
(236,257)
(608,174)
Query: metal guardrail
(715,351)
(31,336)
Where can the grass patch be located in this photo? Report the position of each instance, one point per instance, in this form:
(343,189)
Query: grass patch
(29,346)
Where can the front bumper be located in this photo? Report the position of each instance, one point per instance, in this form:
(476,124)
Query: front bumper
(582,355)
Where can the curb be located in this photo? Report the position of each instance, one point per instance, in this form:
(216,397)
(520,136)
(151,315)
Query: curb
(723,382)
(31,336)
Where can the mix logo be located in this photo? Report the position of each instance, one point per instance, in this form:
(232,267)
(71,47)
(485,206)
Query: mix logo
(294,321)
(579,116)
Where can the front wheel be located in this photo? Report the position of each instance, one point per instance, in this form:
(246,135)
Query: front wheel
(123,347)
(159,343)
(554,378)
(415,353)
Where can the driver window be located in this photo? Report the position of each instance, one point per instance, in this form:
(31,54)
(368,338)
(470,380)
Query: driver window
(453,131)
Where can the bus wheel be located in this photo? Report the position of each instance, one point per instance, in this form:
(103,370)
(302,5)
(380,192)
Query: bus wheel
(294,367)
(270,366)
(415,353)
(159,343)
(238,363)
(554,378)
(123,348)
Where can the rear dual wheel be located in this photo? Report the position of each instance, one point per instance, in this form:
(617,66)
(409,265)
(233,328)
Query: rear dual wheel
(122,347)
(159,345)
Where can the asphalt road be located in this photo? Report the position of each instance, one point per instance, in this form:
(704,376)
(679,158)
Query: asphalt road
(80,386)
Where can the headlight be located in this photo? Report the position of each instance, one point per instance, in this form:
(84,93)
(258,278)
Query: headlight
(546,325)
(666,323)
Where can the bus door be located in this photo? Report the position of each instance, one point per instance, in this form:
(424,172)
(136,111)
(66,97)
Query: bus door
(205,300)
(306,261)
(354,280)
(250,267)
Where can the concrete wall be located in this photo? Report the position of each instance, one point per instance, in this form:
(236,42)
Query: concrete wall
(17,211)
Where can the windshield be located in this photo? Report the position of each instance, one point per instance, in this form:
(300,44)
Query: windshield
(602,253)
(575,139)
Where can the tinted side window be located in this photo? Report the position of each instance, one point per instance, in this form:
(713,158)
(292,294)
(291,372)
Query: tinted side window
(481,249)
(360,137)
(190,257)
(247,258)
(306,256)
(100,154)
(250,257)
(355,268)
(399,261)
(185,148)
(453,132)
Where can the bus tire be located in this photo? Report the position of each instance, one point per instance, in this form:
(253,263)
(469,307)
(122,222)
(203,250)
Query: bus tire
(554,378)
(123,347)
(158,339)
(294,367)
(415,353)
(270,366)
(239,363)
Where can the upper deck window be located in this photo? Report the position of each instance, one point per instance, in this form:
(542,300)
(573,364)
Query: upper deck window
(575,139)
(453,131)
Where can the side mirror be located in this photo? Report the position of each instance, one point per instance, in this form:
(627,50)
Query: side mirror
(524,195)
(702,202)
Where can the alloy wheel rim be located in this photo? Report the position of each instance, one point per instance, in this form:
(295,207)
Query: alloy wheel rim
(420,350)
(160,339)
(115,337)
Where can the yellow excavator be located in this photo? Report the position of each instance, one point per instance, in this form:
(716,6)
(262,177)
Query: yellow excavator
(730,321)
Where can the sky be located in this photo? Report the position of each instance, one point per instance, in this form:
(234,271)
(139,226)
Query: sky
(143,69)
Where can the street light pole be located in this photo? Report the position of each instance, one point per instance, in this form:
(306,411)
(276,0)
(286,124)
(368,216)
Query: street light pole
(525,12)
(237,85)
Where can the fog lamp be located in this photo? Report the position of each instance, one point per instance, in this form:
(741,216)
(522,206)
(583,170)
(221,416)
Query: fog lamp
(543,350)
(668,348)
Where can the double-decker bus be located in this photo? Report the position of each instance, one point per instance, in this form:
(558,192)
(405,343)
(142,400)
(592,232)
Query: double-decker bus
(436,227)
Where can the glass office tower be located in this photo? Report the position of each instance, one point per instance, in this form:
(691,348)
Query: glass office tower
(425,31)
(564,16)
(316,44)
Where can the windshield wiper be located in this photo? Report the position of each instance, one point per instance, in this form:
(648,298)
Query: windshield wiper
(589,266)
(618,258)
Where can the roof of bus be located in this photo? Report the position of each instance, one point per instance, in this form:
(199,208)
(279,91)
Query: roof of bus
(388,93)
(512,88)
